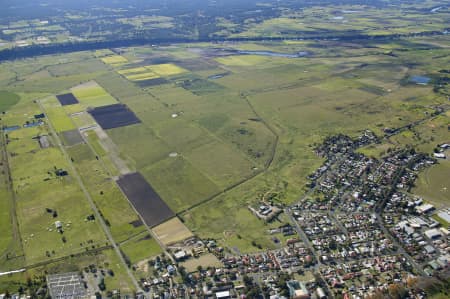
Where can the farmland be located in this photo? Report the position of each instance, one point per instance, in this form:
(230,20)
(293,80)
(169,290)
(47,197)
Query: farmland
(167,142)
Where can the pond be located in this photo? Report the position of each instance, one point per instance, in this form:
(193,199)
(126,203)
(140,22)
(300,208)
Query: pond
(217,76)
(420,79)
(11,128)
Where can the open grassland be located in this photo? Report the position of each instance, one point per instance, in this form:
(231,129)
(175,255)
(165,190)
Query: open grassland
(228,219)
(43,198)
(82,120)
(73,109)
(172,231)
(234,164)
(120,280)
(140,247)
(110,201)
(88,65)
(301,100)
(38,189)
(90,94)
(141,138)
(178,172)
(243,60)
(9,235)
(201,135)
(107,155)
(60,120)
(8,100)
(6,237)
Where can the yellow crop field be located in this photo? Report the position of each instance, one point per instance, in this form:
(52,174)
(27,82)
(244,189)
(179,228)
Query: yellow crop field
(172,231)
(166,69)
(242,60)
(114,60)
(135,70)
(141,77)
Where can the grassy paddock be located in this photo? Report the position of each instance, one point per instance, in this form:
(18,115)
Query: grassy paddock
(8,100)
(173,179)
(140,247)
(114,207)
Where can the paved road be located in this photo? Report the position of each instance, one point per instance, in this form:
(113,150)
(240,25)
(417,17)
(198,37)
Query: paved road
(91,203)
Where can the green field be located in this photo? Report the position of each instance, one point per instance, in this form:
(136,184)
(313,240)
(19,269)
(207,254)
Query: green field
(37,188)
(8,100)
(60,120)
(107,196)
(210,146)
(433,184)
(114,60)
(140,247)
(90,94)
(179,172)
(166,69)
(42,198)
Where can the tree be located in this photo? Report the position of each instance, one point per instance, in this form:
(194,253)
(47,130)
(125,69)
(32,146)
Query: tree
(397,291)
(102,285)
(248,281)
(332,245)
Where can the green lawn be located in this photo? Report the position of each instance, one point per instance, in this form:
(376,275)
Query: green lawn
(109,199)
(140,247)
(59,119)
(8,100)
(174,178)
(433,184)
(90,94)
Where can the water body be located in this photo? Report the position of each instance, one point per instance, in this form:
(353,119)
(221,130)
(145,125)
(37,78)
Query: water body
(33,124)
(275,54)
(218,76)
(420,79)
(11,128)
